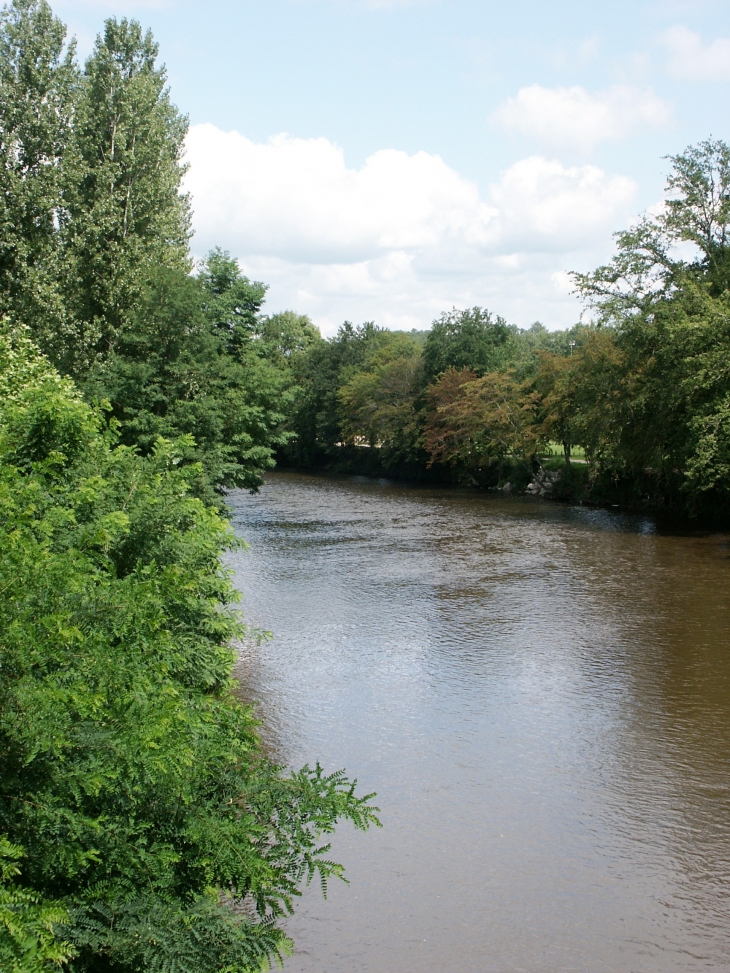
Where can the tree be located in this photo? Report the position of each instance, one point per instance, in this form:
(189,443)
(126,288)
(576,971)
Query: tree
(141,824)
(232,300)
(38,84)
(125,215)
(286,336)
(28,940)
(473,420)
(377,404)
(474,339)
(698,209)
(556,382)
(676,390)
(188,363)
(646,267)
(320,371)
(660,417)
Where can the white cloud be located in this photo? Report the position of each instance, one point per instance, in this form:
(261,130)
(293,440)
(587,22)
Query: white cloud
(574,117)
(403,237)
(296,197)
(544,206)
(690,58)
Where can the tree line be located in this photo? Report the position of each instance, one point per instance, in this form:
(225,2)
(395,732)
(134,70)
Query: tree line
(639,391)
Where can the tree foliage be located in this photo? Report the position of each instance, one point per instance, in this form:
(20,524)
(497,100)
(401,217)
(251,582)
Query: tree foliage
(474,339)
(96,258)
(191,362)
(377,403)
(647,266)
(663,410)
(29,942)
(124,214)
(643,390)
(474,419)
(143,826)
(38,89)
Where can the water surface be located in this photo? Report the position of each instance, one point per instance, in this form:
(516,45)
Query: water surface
(540,696)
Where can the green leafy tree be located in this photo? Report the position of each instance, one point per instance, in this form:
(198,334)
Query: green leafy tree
(705,328)
(285,337)
(556,381)
(647,266)
(233,301)
(94,255)
(28,924)
(378,402)
(667,401)
(473,420)
(474,339)
(660,419)
(38,84)
(320,372)
(188,364)
(125,215)
(530,342)
(143,827)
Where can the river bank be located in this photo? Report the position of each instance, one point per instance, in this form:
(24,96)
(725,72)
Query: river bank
(575,484)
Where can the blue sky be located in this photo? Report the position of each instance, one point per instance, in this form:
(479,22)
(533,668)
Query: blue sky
(388,160)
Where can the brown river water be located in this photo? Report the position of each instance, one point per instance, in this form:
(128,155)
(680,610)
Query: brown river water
(540,696)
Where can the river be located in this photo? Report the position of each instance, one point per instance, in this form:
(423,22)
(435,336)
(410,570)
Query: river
(540,696)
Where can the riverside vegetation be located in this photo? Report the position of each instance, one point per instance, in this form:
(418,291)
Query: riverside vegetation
(142,828)
(641,392)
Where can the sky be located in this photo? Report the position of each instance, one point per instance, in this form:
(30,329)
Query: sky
(387,160)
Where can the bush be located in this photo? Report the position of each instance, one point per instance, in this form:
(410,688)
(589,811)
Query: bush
(140,810)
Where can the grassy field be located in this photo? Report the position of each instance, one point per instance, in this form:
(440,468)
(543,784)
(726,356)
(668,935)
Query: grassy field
(556,450)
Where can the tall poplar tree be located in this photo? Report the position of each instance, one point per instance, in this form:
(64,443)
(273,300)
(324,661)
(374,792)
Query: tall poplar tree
(125,214)
(38,84)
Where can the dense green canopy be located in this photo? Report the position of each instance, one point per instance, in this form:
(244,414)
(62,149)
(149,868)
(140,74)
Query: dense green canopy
(141,826)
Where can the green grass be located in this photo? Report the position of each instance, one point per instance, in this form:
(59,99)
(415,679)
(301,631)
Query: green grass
(556,449)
